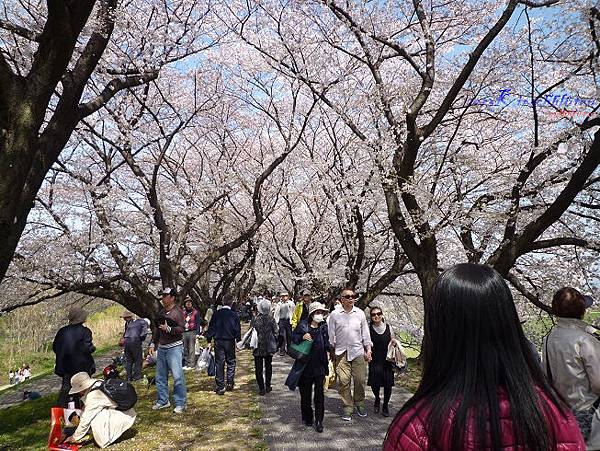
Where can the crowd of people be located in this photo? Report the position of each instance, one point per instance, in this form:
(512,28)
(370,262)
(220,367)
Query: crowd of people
(19,375)
(482,387)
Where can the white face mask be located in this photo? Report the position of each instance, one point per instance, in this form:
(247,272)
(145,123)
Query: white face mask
(318,318)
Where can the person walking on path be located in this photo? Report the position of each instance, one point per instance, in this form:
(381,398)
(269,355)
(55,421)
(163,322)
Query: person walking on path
(481,389)
(100,413)
(571,360)
(350,347)
(169,356)
(135,333)
(73,348)
(225,328)
(311,373)
(266,330)
(283,318)
(381,372)
(190,332)
(301,310)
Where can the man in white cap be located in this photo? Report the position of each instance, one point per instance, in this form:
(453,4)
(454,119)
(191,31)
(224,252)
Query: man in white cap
(100,413)
(73,348)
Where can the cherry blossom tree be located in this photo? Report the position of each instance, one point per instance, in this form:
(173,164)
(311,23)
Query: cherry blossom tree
(61,62)
(165,187)
(510,183)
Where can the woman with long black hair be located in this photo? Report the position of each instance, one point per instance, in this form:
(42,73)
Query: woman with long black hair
(481,388)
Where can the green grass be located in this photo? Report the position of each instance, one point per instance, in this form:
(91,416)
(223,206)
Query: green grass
(26,426)
(49,367)
(106,326)
(211,422)
(411,348)
(411,379)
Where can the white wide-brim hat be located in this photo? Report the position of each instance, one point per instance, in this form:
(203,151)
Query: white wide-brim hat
(315,306)
(80,382)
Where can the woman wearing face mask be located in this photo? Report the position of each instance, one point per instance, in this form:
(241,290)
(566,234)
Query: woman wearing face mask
(314,328)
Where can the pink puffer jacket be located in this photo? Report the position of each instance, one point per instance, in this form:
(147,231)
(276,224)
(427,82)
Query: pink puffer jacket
(414,438)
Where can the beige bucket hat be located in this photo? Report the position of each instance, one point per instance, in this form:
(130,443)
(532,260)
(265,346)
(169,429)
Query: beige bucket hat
(316,306)
(80,382)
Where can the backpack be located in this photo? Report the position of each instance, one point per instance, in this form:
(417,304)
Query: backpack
(120,391)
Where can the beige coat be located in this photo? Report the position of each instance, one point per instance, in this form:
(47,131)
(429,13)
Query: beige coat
(100,414)
(574,359)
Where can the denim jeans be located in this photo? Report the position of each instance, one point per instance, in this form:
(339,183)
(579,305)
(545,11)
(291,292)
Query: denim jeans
(170,359)
(189,348)
(285,335)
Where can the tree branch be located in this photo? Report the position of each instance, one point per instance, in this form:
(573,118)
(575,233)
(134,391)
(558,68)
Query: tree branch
(112,88)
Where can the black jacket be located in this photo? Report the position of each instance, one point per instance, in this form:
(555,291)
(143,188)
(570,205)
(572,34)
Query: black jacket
(73,348)
(224,325)
(317,365)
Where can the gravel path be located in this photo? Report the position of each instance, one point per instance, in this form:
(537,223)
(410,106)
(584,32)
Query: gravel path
(45,385)
(284,430)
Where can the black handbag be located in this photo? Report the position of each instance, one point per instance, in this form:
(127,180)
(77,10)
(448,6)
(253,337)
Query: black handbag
(271,343)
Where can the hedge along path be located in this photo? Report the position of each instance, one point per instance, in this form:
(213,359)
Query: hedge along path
(211,421)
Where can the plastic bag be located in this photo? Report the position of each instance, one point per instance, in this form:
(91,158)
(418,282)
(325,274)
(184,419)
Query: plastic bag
(241,345)
(203,360)
(395,354)
(254,339)
(330,379)
(60,419)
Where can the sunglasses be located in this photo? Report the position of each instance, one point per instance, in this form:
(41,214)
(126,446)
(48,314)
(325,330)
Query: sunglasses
(377,314)
(349,296)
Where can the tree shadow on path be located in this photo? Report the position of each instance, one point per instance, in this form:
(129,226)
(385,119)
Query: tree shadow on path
(284,430)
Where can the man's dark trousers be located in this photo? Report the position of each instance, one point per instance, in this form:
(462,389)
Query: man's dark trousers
(133,358)
(224,353)
(285,335)
(64,396)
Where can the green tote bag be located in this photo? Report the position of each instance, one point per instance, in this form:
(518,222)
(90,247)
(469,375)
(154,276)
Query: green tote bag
(300,351)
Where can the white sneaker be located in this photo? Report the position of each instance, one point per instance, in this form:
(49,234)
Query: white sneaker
(158,406)
(179,409)
(187,368)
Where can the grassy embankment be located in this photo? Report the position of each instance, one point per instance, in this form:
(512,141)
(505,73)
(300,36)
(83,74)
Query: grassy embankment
(36,351)
(211,422)
(534,329)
